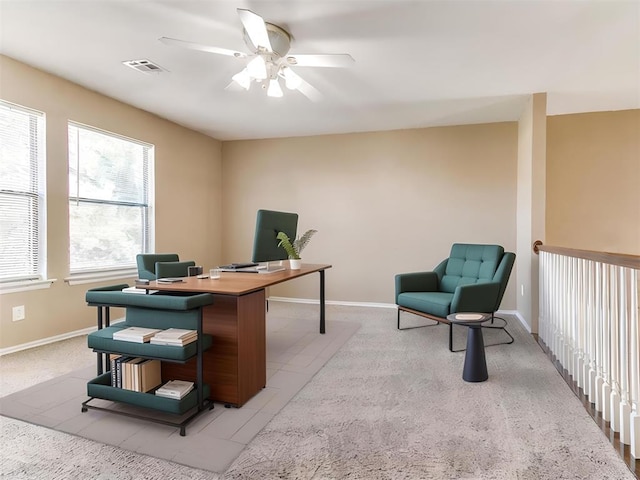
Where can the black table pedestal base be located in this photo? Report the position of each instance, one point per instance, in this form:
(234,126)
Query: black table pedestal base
(475,363)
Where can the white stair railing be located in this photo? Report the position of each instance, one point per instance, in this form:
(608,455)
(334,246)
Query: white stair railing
(589,321)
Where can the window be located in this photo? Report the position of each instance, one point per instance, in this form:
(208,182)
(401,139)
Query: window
(22,196)
(110,200)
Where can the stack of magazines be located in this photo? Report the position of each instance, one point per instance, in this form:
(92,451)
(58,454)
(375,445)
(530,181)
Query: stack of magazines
(176,389)
(174,336)
(135,334)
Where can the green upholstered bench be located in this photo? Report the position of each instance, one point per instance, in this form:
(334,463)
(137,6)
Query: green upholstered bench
(161,311)
(113,296)
(102,341)
(100,387)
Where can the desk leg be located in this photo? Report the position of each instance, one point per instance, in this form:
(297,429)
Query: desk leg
(322,318)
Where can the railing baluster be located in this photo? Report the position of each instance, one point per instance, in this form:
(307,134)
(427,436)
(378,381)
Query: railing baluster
(635,366)
(606,343)
(625,406)
(615,354)
(589,321)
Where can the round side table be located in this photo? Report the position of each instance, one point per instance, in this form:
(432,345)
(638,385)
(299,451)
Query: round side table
(475,363)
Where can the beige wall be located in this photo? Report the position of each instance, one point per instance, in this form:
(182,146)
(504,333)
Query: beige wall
(188,195)
(383,203)
(593,181)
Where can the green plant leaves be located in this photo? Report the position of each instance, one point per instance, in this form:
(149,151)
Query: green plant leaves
(294,249)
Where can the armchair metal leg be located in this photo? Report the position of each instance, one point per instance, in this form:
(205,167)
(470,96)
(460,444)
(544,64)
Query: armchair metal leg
(451,340)
(417,326)
(491,320)
(502,327)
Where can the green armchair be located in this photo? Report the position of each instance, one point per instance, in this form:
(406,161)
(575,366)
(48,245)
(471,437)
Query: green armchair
(473,279)
(152,266)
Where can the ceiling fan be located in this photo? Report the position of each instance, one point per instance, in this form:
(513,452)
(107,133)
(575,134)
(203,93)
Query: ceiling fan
(270,59)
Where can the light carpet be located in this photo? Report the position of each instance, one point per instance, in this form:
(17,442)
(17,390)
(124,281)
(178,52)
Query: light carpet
(295,352)
(392,405)
(389,405)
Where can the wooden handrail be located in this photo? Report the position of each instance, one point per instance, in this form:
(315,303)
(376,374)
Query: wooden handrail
(620,259)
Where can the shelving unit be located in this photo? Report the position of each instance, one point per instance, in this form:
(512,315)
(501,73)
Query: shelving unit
(159,311)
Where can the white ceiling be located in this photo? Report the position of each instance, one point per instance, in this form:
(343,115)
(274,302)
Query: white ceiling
(417,63)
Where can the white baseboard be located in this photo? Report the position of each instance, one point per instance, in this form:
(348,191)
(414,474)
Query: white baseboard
(514,313)
(520,318)
(55,338)
(333,302)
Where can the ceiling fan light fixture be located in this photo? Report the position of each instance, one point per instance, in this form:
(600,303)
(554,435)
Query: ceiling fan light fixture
(269,59)
(243,79)
(257,68)
(292,80)
(274,89)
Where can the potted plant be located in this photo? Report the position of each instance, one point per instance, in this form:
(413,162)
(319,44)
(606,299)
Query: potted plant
(294,249)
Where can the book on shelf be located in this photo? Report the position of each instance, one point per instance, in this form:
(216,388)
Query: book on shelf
(174,336)
(135,373)
(118,366)
(175,333)
(173,343)
(139,291)
(130,380)
(135,334)
(175,389)
(113,368)
(146,375)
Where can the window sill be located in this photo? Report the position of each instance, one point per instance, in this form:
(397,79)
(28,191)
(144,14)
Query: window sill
(94,277)
(25,285)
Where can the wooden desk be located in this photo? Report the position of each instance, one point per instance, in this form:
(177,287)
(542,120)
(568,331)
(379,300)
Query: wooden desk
(235,366)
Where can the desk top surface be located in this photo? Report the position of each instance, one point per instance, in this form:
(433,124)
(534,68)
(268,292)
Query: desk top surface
(236,283)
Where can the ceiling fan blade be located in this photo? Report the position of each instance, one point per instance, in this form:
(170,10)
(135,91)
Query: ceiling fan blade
(308,90)
(234,87)
(256,28)
(203,48)
(321,60)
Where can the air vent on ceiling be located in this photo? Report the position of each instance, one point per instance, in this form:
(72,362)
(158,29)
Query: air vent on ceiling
(144,66)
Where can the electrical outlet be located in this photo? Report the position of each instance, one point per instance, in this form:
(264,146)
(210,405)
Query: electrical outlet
(18,313)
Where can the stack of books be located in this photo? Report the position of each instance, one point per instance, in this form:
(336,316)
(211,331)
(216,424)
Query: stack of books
(139,290)
(178,337)
(175,389)
(135,373)
(135,334)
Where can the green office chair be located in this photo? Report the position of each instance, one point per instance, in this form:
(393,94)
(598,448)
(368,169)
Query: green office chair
(152,266)
(473,279)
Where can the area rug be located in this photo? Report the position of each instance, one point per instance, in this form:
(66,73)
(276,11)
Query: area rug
(295,353)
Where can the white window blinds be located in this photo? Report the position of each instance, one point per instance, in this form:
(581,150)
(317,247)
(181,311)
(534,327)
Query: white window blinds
(109,199)
(22,199)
